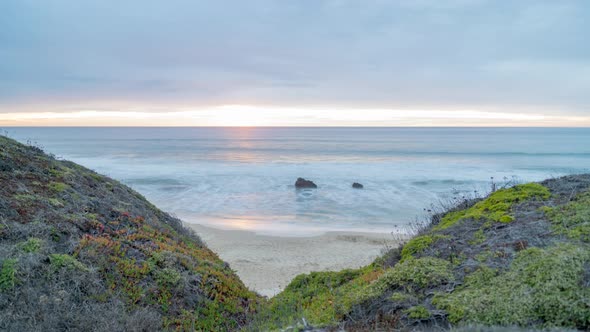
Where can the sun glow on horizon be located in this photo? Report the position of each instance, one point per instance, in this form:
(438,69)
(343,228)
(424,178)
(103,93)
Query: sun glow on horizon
(253,116)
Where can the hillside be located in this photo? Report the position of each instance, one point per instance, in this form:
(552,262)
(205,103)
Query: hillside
(520,257)
(80,251)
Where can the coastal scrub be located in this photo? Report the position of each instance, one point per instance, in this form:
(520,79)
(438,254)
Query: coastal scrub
(496,207)
(522,272)
(572,219)
(92,252)
(541,285)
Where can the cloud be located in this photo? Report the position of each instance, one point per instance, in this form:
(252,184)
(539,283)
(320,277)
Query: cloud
(242,115)
(521,56)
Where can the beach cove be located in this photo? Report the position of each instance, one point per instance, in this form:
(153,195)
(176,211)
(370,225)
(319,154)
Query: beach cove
(266,264)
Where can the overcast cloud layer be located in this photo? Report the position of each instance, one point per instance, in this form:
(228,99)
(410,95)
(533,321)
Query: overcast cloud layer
(507,56)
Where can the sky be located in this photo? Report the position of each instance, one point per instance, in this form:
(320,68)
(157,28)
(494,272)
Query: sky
(306,62)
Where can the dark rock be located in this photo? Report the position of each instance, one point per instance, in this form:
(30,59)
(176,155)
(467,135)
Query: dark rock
(357,185)
(303,183)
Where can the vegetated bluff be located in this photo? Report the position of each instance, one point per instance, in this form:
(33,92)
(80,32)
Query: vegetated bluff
(517,258)
(80,251)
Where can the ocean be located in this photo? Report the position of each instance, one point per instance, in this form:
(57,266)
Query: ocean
(243,178)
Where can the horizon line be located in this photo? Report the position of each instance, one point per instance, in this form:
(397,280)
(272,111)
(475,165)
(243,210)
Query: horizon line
(295,126)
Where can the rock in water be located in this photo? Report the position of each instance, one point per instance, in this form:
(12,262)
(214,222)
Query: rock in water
(303,183)
(357,185)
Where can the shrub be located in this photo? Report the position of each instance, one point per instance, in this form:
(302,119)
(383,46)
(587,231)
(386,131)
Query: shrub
(167,277)
(309,284)
(414,274)
(31,245)
(418,312)
(59,261)
(400,297)
(8,274)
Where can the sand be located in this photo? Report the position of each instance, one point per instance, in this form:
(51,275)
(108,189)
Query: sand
(267,264)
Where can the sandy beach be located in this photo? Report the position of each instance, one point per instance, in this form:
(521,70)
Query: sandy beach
(267,264)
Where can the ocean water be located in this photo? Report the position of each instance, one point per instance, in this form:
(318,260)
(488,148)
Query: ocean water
(243,178)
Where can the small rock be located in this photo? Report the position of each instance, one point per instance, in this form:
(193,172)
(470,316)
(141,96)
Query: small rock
(303,183)
(357,185)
